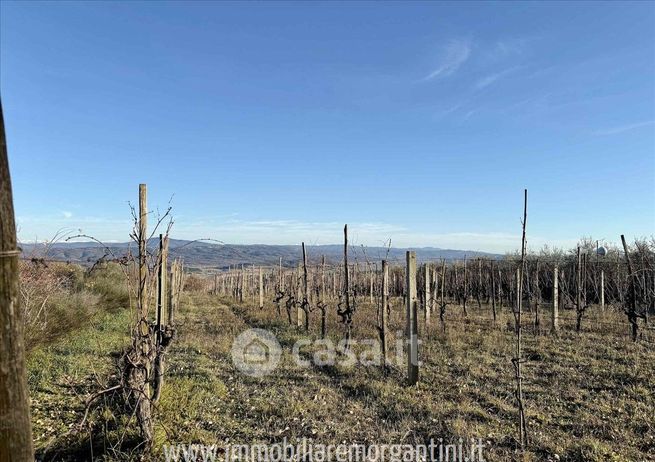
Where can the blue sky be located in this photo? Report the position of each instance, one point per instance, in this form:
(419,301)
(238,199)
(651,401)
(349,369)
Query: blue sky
(276,123)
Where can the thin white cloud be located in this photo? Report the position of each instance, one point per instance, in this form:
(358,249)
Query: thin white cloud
(510,46)
(454,54)
(624,128)
(490,79)
(67,214)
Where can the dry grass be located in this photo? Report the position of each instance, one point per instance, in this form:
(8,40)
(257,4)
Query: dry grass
(590,397)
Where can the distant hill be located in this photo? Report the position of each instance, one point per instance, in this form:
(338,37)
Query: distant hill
(204,255)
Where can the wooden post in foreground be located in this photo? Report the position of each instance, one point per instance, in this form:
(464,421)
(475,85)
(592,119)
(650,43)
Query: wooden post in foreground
(383,312)
(15,424)
(555,320)
(412,325)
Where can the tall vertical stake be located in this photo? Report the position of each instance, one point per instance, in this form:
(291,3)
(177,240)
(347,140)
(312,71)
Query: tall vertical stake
(602,290)
(523,426)
(143,267)
(16,426)
(555,321)
(346,284)
(261,289)
(428,301)
(161,284)
(412,324)
(383,312)
(493,291)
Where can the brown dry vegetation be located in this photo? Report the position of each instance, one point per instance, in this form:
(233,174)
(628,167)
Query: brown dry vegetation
(589,396)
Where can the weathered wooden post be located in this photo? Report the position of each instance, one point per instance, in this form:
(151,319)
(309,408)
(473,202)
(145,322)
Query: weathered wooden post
(242,283)
(383,312)
(143,266)
(578,291)
(348,312)
(15,423)
(370,288)
(442,305)
(632,294)
(466,289)
(602,290)
(171,292)
(299,312)
(412,324)
(161,283)
(139,366)
(323,301)
(428,301)
(523,425)
(493,291)
(518,284)
(478,292)
(261,289)
(537,296)
(555,320)
(305,300)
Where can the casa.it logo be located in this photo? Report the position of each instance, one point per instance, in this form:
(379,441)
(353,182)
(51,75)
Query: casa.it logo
(256,352)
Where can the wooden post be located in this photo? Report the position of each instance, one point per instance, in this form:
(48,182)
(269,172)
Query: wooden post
(523,424)
(347,288)
(442,305)
(138,376)
(537,296)
(632,294)
(370,279)
(578,290)
(15,423)
(428,301)
(518,284)
(305,300)
(345,266)
(299,311)
(161,284)
(143,267)
(479,291)
(171,291)
(412,324)
(383,312)
(602,290)
(323,296)
(493,291)
(465,285)
(242,283)
(261,289)
(555,320)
